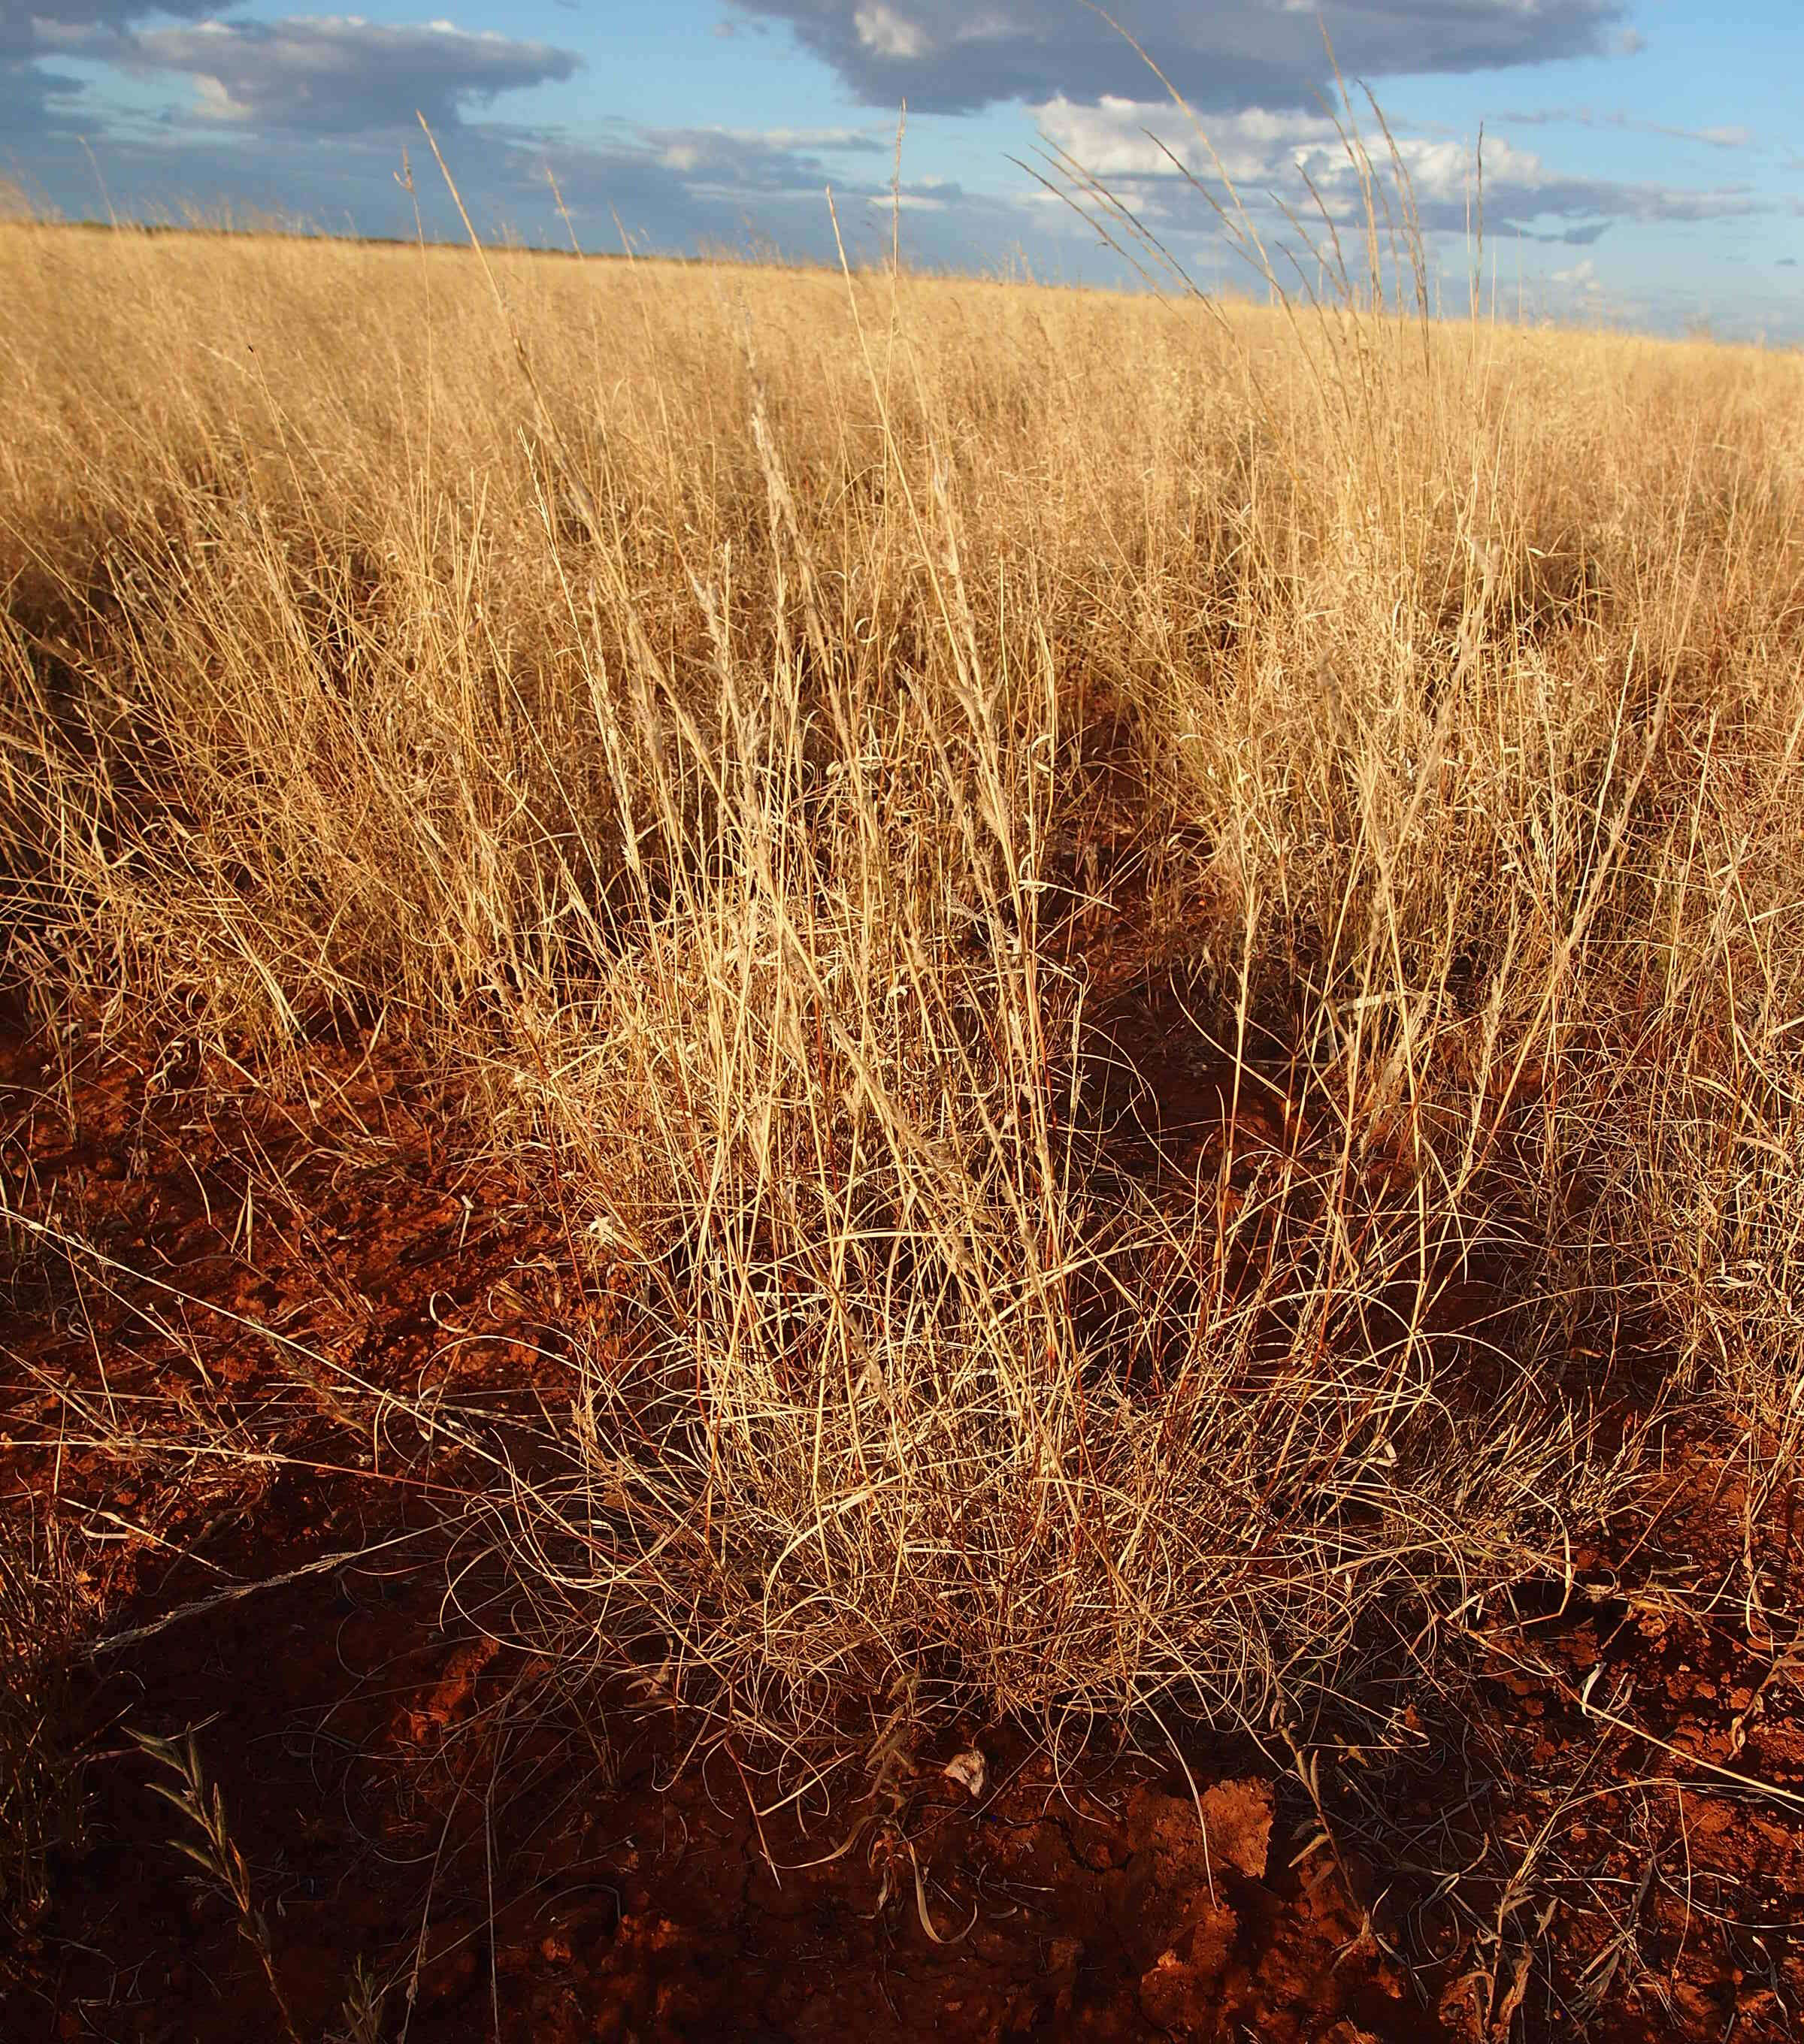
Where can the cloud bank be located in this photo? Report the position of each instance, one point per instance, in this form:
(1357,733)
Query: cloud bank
(951,56)
(339,75)
(38,98)
(320,75)
(1263,152)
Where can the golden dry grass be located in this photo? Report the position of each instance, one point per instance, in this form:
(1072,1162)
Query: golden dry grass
(746,727)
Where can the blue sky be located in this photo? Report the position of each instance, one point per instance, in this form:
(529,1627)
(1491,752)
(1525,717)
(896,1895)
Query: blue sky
(1644,162)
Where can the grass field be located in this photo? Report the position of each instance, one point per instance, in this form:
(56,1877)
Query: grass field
(1137,971)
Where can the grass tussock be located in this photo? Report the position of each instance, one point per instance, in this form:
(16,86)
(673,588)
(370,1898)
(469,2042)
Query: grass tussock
(809,755)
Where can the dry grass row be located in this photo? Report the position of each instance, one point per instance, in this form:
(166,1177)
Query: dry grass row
(746,727)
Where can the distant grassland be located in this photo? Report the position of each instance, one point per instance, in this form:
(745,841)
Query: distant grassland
(784,747)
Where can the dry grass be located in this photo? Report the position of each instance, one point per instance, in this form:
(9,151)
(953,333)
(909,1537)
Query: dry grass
(761,734)
(41,1616)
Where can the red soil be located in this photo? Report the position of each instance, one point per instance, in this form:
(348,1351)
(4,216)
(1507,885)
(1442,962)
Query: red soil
(528,1860)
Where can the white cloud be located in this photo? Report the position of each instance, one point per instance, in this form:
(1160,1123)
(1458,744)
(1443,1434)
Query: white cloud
(1262,151)
(338,74)
(885,33)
